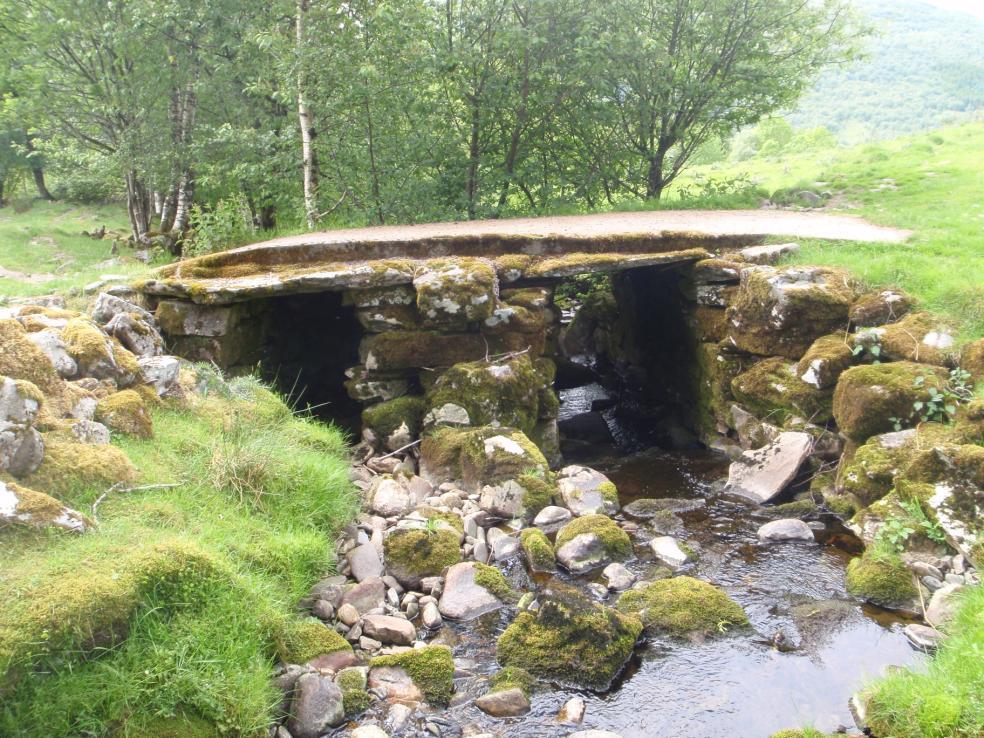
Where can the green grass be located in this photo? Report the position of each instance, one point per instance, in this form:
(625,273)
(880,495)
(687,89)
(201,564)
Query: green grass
(945,700)
(178,606)
(46,246)
(929,183)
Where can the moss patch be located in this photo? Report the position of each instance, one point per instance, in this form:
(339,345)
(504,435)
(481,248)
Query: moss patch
(431,668)
(386,417)
(867,398)
(493,580)
(412,553)
(540,491)
(881,577)
(21,359)
(69,467)
(683,605)
(904,340)
(512,677)
(125,412)
(616,541)
(303,640)
(570,639)
(355,702)
(538,550)
(871,473)
(493,455)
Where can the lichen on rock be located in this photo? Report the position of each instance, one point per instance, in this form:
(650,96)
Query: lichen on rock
(494,455)
(824,361)
(682,606)
(451,293)
(23,506)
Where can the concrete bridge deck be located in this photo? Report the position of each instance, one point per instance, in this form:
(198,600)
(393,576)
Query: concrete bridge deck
(521,248)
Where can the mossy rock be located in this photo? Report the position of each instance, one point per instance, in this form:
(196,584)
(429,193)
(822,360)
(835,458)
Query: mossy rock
(21,359)
(616,541)
(490,578)
(395,422)
(824,361)
(512,677)
(570,640)
(440,453)
(300,641)
(537,549)
(72,467)
(355,702)
(414,553)
(181,726)
(395,350)
(451,293)
(714,371)
(972,359)
(125,412)
(500,393)
(682,606)
(92,349)
(879,576)
(920,337)
(871,473)
(780,312)
(494,455)
(878,308)
(27,507)
(431,668)
(868,399)
(773,391)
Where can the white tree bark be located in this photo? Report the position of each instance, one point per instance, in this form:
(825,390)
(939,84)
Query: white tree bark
(306,120)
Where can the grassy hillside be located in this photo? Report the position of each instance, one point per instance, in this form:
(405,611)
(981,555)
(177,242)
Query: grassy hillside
(922,67)
(930,183)
(42,249)
(187,593)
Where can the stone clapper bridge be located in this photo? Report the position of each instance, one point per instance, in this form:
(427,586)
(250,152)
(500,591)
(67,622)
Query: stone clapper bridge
(351,318)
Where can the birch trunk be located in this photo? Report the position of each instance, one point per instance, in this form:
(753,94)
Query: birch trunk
(306,120)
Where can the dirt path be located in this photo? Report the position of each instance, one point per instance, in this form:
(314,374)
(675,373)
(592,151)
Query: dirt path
(655,223)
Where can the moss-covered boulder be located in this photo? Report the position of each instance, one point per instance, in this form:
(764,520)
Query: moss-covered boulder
(591,541)
(414,553)
(586,491)
(440,454)
(125,412)
(505,393)
(824,361)
(537,549)
(879,308)
(683,606)
(301,641)
(394,423)
(70,467)
(972,359)
(522,497)
(431,668)
(780,312)
(871,399)
(773,391)
(570,640)
(26,507)
(97,355)
(714,371)
(22,359)
(451,293)
(489,456)
(871,473)
(918,337)
(397,350)
(879,576)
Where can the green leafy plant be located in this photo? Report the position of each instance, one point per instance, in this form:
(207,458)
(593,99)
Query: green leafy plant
(228,224)
(895,531)
(943,402)
(871,347)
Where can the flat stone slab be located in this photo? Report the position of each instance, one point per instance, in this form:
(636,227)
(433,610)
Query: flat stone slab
(763,474)
(552,247)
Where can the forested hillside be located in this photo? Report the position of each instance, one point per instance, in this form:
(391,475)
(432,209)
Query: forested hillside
(924,67)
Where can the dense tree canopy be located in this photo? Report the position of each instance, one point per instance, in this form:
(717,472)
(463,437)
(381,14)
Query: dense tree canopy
(376,111)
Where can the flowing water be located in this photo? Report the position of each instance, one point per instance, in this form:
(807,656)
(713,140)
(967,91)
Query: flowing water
(739,685)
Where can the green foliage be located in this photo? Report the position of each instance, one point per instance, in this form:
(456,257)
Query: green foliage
(941,405)
(941,700)
(229,223)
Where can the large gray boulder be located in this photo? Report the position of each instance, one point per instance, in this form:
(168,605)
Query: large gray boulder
(586,491)
(787,529)
(763,474)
